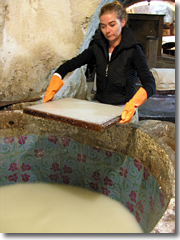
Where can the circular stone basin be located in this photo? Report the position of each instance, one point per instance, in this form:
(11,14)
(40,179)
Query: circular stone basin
(133,164)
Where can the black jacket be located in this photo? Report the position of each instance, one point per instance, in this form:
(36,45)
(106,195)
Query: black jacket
(116,79)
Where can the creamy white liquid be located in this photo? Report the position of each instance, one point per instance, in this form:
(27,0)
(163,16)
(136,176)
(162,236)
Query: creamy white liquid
(55,208)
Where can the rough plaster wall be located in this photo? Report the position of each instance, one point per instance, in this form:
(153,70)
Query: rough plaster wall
(36,36)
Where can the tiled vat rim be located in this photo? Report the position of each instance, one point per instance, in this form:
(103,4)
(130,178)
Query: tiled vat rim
(58,159)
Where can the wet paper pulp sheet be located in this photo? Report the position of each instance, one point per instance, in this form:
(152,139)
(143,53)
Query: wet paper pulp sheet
(80,113)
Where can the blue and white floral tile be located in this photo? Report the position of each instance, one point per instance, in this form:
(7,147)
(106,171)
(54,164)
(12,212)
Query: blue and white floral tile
(148,182)
(27,143)
(28,162)
(114,159)
(135,169)
(9,164)
(70,147)
(93,153)
(112,177)
(91,185)
(11,178)
(70,165)
(7,146)
(50,163)
(30,177)
(51,177)
(92,170)
(49,144)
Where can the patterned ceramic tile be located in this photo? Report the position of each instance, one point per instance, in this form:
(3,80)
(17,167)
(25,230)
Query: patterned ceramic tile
(81,158)
(114,159)
(29,177)
(132,207)
(130,189)
(70,165)
(153,219)
(93,153)
(61,160)
(71,180)
(70,147)
(160,203)
(128,204)
(28,162)
(39,154)
(144,205)
(110,192)
(148,182)
(92,170)
(140,220)
(112,178)
(51,177)
(49,144)
(50,163)
(27,143)
(135,169)
(91,185)
(11,178)
(7,146)
(9,164)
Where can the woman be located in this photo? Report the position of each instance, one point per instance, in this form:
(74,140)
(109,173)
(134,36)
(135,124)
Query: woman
(118,58)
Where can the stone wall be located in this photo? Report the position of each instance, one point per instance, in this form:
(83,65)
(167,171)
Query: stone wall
(36,36)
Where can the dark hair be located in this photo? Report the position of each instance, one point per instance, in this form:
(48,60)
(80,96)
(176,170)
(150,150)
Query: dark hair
(115,7)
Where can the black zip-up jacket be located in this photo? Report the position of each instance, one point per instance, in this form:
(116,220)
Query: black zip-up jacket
(116,79)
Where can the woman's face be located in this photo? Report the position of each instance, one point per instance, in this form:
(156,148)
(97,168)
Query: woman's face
(111,26)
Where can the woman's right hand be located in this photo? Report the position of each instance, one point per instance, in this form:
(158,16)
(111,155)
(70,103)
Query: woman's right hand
(54,86)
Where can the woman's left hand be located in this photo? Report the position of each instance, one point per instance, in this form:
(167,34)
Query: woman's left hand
(129,109)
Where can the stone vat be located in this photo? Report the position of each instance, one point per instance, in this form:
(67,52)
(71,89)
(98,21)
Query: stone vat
(137,160)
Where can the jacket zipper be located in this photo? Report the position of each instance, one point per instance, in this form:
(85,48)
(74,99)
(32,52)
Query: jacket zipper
(107,68)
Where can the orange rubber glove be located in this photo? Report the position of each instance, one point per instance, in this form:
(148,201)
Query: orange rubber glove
(54,85)
(129,109)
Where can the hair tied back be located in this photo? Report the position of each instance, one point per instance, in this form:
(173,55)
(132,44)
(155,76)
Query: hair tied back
(117,3)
